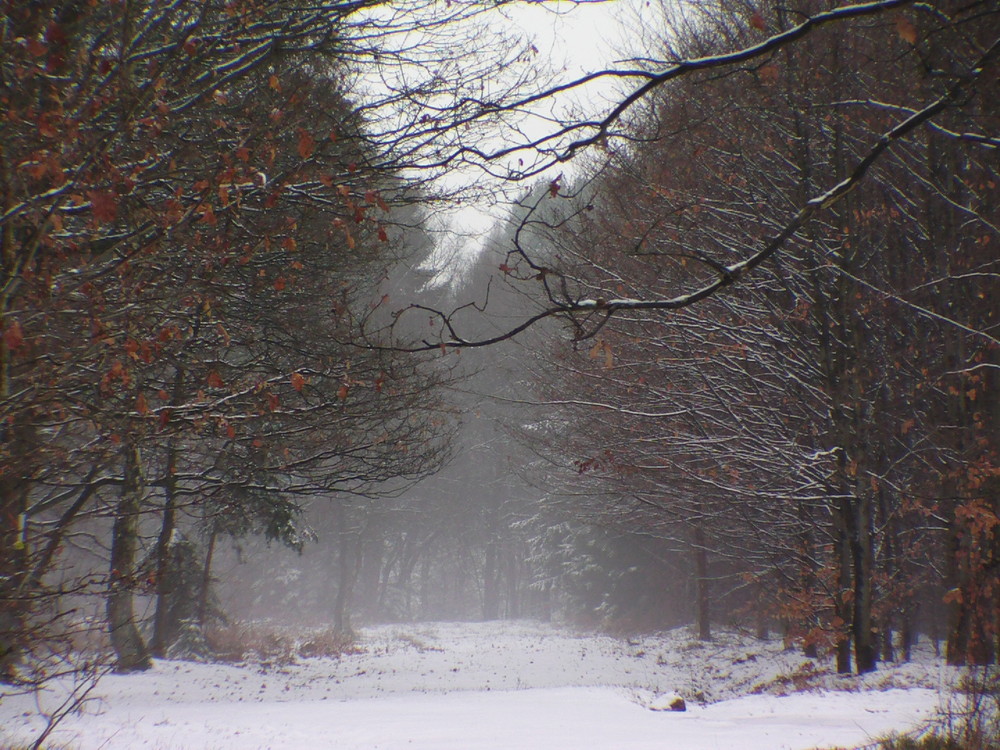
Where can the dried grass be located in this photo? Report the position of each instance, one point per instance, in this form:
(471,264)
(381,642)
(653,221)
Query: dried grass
(268,644)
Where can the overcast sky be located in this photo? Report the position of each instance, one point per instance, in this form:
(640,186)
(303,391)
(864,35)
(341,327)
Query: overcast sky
(573,39)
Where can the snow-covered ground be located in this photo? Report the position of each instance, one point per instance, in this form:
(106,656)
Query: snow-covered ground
(502,685)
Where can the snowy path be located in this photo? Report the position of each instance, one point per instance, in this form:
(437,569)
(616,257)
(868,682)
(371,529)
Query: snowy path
(515,686)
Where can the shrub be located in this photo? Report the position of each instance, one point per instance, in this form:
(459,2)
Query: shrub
(268,644)
(970,721)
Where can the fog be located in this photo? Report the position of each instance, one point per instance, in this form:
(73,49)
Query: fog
(500,531)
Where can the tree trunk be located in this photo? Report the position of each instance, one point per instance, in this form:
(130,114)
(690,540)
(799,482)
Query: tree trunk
(130,649)
(349,563)
(425,585)
(808,573)
(13,633)
(842,609)
(161,625)
(16,439)
(701,581)
(206,579)
(159,644)
(513,572)
(491,583)
(763,631)
(906,633)
(862,554)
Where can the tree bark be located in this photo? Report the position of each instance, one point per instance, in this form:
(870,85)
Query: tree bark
(841,607)
(862,553)
(349,564)
(159,644)
(206,580)
(130,649)
(701,581)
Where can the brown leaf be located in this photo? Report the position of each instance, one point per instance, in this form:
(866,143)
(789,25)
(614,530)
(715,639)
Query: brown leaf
(46,127)
(906,30)
(103,206)
(141,405)
(306,145)
(13,335)
(342,392)
(298,381)
(768,74)
(602,347)
(36,48)
(757,21)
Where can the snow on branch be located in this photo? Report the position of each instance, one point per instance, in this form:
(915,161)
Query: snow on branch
(655,79)
(604,309)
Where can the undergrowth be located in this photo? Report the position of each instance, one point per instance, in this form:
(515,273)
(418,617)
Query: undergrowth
(969,721)
(261,643)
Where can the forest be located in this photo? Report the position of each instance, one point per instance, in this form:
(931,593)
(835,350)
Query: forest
(731,357)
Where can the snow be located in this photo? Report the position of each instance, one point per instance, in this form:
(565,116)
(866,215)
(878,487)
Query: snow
(496,685)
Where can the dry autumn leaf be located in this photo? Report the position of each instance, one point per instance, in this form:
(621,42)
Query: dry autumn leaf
(307,145)
(906,30)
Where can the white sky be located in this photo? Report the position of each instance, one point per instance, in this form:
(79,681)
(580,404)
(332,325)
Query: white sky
(573,39)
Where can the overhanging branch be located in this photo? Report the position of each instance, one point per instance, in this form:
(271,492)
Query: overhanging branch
(731,274)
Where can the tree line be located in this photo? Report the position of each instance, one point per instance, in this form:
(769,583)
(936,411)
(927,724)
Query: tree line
(198,201)
(815,434)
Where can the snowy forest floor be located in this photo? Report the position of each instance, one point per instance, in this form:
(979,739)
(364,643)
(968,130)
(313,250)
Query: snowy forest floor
(497,685)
